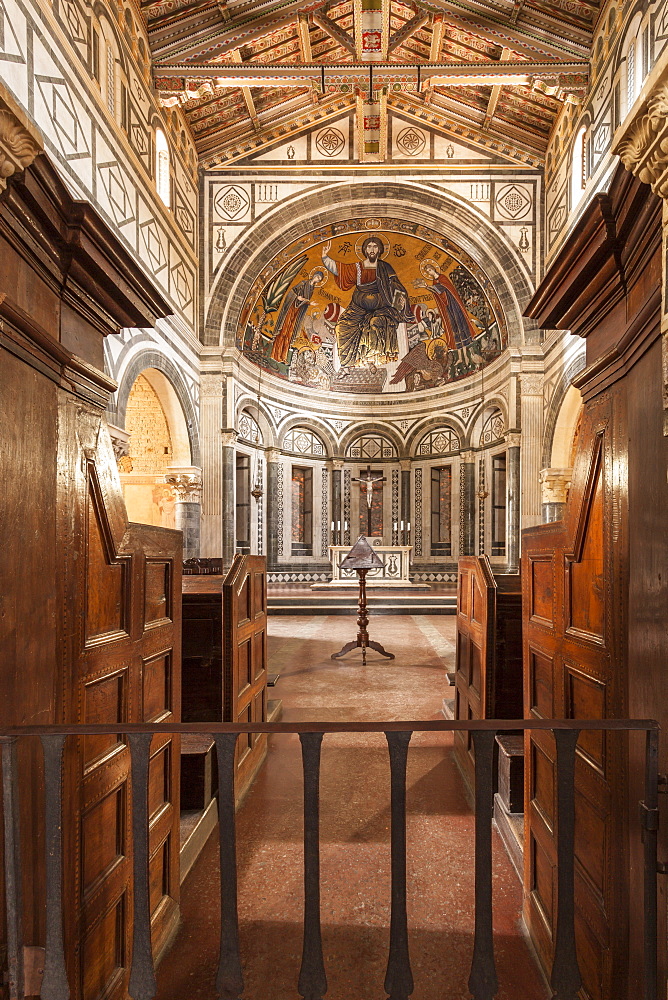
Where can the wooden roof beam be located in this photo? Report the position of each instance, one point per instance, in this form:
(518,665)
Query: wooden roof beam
(496,92)
(333,30)
(248,97)
(409,28)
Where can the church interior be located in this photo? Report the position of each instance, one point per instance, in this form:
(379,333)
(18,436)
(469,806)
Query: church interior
(334,600)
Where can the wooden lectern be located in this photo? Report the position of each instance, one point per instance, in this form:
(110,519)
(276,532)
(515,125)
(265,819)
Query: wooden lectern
(362,558)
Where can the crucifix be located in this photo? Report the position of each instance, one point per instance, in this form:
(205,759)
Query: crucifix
(368,480)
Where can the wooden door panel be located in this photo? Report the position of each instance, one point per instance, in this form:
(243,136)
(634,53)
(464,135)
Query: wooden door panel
(124,664)
(568,638)
(245,639)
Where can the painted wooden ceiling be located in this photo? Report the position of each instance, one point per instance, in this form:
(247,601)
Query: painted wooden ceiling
(253,72)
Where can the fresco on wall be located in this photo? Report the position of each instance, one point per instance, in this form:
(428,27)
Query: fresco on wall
(372,305)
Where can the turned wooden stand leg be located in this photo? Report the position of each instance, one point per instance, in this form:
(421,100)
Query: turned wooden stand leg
(362,640)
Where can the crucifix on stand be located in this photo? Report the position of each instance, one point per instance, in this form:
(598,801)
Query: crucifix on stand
(369,481)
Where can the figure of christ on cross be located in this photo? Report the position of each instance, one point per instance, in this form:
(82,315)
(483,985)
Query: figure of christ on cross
(368,480)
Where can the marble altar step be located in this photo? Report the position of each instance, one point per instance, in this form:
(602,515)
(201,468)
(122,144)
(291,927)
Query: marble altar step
(386,603)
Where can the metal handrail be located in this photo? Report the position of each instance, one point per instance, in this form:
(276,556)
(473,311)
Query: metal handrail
(565,977)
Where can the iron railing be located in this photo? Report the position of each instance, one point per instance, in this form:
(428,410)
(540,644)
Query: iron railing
(565,977)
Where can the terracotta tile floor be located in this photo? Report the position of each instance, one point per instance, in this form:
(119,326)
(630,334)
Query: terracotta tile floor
(355,889)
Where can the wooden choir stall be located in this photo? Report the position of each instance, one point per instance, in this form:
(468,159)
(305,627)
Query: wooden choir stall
(488,680)
(224,669)
(90,630)
(594,588)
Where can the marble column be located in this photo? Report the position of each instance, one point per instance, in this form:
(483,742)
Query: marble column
(274,499)
(405,509)
(228,519)
(554,487)
(337,511)
(531,385)
(187,486)
(467,500)
(212,401)
(513,500)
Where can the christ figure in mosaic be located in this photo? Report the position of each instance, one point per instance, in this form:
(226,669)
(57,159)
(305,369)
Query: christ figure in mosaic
(367,329)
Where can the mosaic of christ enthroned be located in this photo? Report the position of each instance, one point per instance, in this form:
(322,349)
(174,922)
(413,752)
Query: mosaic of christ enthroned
(374,305)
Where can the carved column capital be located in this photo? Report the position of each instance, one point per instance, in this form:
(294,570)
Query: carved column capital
(555,484)
(467,456)
(186,485)
(20,140)
(273,454)
(531,384)
(120,441)
(210,385)
(513,439)
(228,438)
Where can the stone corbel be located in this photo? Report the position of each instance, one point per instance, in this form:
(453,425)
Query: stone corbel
(120,441)
(643,149)
(643,145)
(20,140)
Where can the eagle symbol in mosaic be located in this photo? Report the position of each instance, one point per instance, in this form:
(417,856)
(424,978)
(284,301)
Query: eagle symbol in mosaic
(332,312)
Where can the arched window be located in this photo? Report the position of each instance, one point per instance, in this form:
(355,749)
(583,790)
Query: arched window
(302,441)
(578,167)
(249,429)
(441,441)
(162,166)
(107,70)
(631,82)
(371,446)
(493,428)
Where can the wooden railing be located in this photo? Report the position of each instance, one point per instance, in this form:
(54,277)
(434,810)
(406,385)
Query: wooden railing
(312,984)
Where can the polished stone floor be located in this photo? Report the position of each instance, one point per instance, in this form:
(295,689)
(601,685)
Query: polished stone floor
(355,836)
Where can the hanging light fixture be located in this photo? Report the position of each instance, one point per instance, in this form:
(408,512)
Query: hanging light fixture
(257,492)
(481,492)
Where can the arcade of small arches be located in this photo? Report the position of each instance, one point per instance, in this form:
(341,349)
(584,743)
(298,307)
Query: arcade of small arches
(445,485)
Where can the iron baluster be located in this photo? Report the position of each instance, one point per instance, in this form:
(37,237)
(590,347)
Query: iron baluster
(54,983)
(565,979)
(12,851)
(230,980)
(650,838)
(142,985)
(312,976)
(399,977)
(483,982)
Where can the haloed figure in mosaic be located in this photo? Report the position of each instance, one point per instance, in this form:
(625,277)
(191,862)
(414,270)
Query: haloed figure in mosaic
(367,329)
(458,329)
(293,311)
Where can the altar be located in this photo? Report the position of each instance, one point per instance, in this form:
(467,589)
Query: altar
(394,571)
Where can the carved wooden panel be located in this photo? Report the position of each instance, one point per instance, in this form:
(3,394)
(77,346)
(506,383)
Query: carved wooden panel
(488,674)
(568,675)
(245,661)
(125,666)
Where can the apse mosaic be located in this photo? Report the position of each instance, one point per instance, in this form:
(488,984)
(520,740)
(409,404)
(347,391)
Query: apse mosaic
(370,306)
